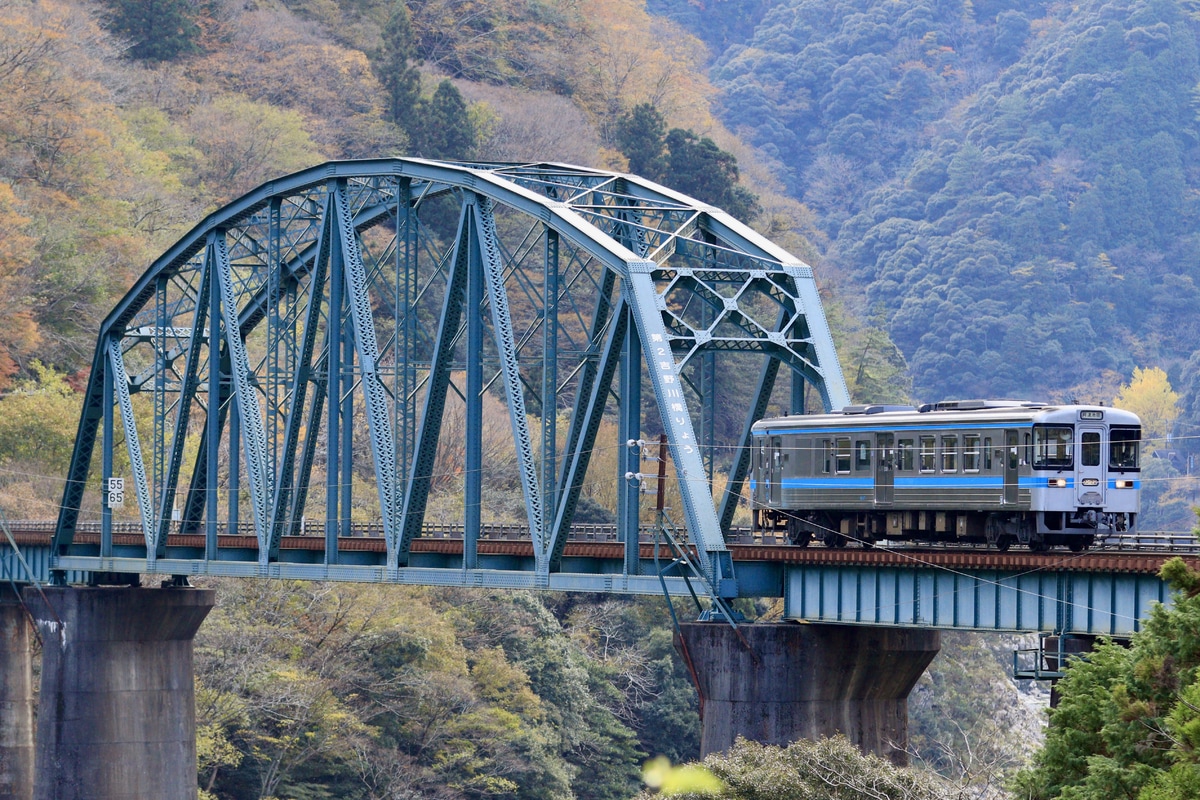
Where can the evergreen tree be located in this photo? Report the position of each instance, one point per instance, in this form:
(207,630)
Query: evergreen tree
(697,167)
(1128,721)
(441,127)
(640,135)
(156,30)
(396,65)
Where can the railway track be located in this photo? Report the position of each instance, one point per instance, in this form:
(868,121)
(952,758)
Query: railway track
(1133,553)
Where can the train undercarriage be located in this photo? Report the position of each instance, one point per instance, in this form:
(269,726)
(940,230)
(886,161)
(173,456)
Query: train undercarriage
(1037,530)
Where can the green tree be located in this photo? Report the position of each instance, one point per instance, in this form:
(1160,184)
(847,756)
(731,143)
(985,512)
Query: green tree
(640,135)
(396,66)
(38,420)
(440,126)
(1128,720)
(156,30)
(697,167)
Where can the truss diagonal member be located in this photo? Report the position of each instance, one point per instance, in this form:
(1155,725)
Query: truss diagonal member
(741,463)
(421,471)
(187,394)
(132,442)
(832,386)
(698,506)
(383,440)
(493,268)
(285,472)
(246,396)
(589,411)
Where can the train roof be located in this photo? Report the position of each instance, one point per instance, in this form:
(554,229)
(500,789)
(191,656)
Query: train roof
(957,413)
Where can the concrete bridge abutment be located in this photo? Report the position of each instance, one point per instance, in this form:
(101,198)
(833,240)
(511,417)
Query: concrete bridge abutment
(808,682)
(117,710)
(16,699)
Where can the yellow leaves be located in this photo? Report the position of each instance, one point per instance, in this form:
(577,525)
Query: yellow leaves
(244,143)
(1149,395)
(686,779)
(504,683)
(632,57)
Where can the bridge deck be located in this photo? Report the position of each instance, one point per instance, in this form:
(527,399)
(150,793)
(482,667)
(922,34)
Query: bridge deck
(1104,591)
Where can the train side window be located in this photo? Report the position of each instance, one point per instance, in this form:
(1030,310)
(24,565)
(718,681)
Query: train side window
(928,453)
(826,456)
(949,454)
(843,456)
(987,453)
(904,453)
(862,455)
(970,452)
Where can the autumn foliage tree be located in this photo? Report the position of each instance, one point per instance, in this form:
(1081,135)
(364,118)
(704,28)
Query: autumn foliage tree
(1149,395)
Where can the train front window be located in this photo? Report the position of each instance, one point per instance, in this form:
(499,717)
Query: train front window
(1123,447)
(843,456)
(1052,445)
(1089,450)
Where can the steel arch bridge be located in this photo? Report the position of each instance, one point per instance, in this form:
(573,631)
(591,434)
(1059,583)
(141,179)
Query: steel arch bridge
(364,311)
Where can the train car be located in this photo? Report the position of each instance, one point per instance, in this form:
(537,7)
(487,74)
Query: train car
(997,471)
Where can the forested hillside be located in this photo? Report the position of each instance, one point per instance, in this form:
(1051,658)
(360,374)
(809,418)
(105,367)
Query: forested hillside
(1013,185)
(122,123)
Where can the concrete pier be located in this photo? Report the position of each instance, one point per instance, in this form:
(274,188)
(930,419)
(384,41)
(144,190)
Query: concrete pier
(807,682)
(117,711)
(16,700)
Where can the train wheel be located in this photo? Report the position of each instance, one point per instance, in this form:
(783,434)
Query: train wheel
(1080,543)
(1038,545)
(797,535)
(1003,542)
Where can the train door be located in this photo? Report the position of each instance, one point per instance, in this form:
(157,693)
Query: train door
(885,460)
(1012,444)
(774,472)
(1089,475)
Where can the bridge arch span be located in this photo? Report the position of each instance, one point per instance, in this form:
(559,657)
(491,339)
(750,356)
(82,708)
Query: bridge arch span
(332,316)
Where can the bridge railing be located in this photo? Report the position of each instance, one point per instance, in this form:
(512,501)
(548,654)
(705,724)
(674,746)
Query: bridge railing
(1140,541)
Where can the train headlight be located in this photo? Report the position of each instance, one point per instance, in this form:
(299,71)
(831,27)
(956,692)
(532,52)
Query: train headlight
(1056,483)
(1123,484)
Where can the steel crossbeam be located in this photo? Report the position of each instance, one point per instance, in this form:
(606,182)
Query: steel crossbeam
(357,324)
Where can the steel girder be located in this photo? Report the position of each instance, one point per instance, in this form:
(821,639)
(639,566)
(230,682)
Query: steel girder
(417,299)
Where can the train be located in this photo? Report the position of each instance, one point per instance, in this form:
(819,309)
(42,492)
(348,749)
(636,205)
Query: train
(1003,472)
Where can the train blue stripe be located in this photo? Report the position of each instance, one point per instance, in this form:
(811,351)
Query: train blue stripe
(828,483)
(939,481)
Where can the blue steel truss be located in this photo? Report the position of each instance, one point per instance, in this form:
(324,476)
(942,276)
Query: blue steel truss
(320,329)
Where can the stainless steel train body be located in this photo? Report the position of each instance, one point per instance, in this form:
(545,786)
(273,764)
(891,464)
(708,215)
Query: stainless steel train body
(1003,472)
